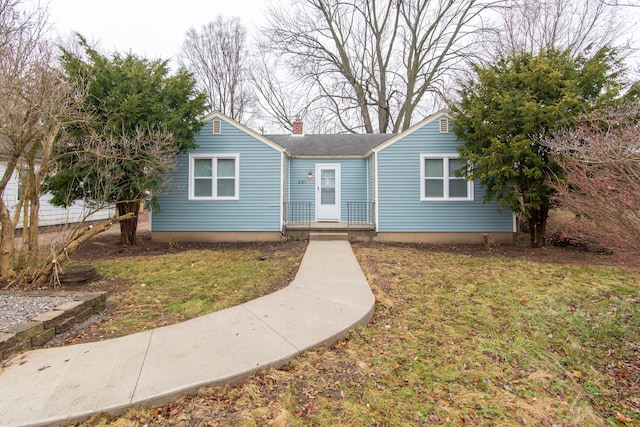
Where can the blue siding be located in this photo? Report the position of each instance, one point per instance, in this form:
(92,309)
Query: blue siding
(301,189)
(399,206)
(353,181)
(259,204)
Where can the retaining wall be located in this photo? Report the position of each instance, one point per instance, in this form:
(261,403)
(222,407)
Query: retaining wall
(40,329)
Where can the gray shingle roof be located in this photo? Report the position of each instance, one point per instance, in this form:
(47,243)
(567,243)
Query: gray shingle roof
(330,145)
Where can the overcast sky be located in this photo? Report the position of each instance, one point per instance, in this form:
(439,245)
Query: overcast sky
(150,28)
(156,28)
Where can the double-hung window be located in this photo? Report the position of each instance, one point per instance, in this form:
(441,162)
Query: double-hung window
(213,176)
(440,180)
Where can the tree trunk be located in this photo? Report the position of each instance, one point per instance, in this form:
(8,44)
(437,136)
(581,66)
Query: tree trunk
(21,260)
(128,227)
(538,226)
(7,244)
(30,221)
(70,247)
(34,223)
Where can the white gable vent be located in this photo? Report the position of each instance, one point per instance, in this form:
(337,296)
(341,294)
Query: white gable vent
(216,127)
(444,125)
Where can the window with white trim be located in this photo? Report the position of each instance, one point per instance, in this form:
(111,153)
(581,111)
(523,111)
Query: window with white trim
(440,180)
(214,176)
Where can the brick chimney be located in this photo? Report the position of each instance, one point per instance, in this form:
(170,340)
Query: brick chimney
(297,126)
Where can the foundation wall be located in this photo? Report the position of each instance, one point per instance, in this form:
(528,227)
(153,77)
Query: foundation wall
(446,238)
(216,236)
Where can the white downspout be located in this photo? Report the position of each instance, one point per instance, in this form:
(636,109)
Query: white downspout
(375,189)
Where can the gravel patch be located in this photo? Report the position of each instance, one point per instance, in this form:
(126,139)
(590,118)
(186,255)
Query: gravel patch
(15,310)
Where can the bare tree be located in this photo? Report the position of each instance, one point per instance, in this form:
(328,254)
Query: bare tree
(216,57)
(373,64)
(282,99)
(629,3)
(600,157)
(19,26)
(574,26)
(35,103)
(154,153)
(58,104)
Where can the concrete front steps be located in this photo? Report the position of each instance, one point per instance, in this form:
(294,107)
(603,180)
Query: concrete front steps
(327,236)
(328,231)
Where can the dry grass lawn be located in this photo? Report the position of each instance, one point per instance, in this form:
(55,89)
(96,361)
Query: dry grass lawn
(459,337)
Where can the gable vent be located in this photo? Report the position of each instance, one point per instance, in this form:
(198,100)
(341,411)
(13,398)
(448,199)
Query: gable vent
(444,125)
(216,127)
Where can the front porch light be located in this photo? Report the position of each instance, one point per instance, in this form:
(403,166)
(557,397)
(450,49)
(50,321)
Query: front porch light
(310,175)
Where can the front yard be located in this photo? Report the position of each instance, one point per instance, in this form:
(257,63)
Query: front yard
(461,336)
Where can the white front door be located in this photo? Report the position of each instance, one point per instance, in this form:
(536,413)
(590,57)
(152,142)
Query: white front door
(328,192)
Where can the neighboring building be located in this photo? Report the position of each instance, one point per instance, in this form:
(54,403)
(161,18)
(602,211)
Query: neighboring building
(238,185)
(50,214)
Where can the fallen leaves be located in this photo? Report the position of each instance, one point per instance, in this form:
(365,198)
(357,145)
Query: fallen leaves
(462,341)
(623,418)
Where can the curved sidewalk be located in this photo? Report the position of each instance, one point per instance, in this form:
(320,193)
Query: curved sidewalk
(329,296)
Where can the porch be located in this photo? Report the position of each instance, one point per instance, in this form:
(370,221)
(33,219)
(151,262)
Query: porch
(300,223)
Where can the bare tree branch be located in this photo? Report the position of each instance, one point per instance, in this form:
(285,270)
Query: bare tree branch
(575,26)
(374,63)
(216,56)
(601,162)
(80,236)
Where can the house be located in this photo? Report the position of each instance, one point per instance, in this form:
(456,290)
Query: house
(239,185)
(50,214)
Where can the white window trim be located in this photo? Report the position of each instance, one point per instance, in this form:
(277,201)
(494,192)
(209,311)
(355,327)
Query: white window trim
(447,157)
(193,157)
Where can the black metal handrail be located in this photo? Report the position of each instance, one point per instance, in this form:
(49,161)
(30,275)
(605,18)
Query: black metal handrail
(360,213)
(297,213)
(301,213)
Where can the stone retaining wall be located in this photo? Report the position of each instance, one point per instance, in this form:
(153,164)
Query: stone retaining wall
(43,327)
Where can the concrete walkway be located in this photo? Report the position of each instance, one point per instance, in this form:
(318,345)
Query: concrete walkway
(329,296)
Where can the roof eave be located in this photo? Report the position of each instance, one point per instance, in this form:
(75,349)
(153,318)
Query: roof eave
(240,126)
(329,156)
(412,129)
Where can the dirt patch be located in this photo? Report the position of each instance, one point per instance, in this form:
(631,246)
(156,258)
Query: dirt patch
(521,251)
(107,245)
